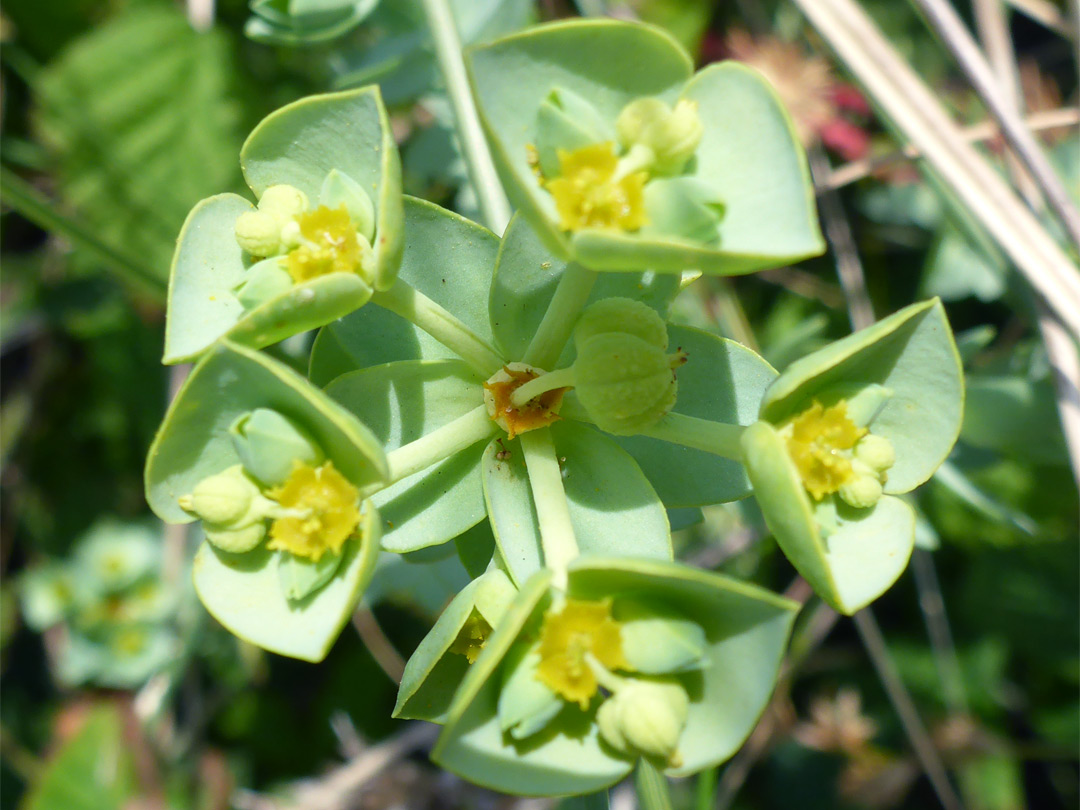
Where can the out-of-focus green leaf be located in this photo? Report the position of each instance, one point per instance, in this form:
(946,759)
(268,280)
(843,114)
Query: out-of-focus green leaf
(91,771)
(139,114)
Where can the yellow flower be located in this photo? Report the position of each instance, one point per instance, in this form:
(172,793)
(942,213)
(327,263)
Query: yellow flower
(331,245)
(587,194)
(472,638)
(567,637)
(325,511)
(819,441)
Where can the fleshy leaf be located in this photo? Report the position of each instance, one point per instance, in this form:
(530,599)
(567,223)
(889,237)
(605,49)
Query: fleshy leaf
(746,629)
(193,441)
(749,158)
(450,260)
(912,354)
(658,640)
(512,77)
(722,381)
(402,402)
(301,143)
(434,672)
(526,704)
(244,593)
(613,508)
(857,558)
(301,577)
(526,275)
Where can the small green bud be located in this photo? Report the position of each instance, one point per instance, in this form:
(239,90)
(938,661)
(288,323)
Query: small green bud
(876,452)
(623,315)
(646,717)
(624,383)
(283,202)
(225,498)
(235,541)
(258,233)
(269,444)
(339,189)
(263,281)
(673,135)
(861,491)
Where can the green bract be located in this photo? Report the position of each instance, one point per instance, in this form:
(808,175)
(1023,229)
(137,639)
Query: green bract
(333,150)
(275,599)
(741,202)
(301,22)
(901,380)
(745,631)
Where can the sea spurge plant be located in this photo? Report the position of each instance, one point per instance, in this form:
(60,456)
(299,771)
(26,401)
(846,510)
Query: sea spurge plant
(323,237)
(623,164)
(500,393)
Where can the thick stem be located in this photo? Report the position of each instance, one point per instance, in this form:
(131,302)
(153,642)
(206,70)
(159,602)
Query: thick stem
(440,444)
(718,438)
(485,180)
(651,787)
(552,510)
(418,309)
(562,378)
(561,316)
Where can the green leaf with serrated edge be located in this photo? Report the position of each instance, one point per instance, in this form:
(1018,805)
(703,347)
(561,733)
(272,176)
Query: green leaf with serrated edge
(193,441)
(749,155)
(400,403)
(746,629)
(911,353)
(722,381)
(349,131)
(301,577)
(433,672)
(861,556)
(613,508)
(526,275)
(450,260)
(607,63)
(243,592)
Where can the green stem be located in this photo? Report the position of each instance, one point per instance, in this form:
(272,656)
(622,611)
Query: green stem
(552,510)
(418,309)
(485,180)
(651,787)
(29,202)
(705,789)
(440,444)
(562,378)
(562,313)
(718,438)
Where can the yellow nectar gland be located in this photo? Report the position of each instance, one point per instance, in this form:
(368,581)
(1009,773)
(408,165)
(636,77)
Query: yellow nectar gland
(538,412)
(567,637)
(472,638)
(325,511)
(588,194)
(820,441)
(331,245)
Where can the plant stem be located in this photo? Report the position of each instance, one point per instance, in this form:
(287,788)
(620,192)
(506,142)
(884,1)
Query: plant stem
(562,378)
(925,751)
(440,444)
(415,307)
(651,786)
(552,510)
(562,313)
(29,202)
(489,191)
(718,438)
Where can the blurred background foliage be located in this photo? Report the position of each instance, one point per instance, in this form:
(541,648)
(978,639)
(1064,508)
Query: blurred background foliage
(118,115)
